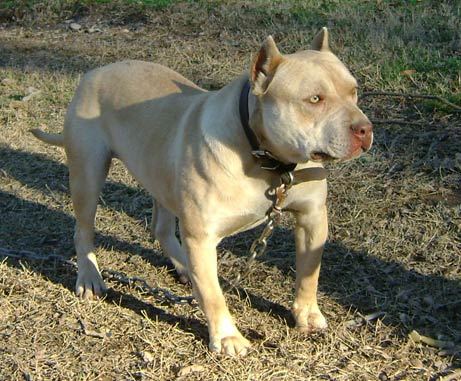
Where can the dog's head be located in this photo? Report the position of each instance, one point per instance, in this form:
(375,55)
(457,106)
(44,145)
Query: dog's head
(307,104)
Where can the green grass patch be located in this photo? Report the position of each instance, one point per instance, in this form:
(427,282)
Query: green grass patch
(389,37)
(67,3)
(156,4)
(36,12)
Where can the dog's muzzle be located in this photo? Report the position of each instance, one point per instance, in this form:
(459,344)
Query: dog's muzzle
(362,134)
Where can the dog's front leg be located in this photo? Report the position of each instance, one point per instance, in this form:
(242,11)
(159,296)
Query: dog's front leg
(202,262)
(310,235)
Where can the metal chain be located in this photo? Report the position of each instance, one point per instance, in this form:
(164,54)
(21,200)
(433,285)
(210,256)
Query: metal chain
(24,254)
(159,293)
(257,249)
(259,245)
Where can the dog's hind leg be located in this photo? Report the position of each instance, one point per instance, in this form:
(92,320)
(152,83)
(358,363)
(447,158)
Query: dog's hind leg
(163,228)
(89,162)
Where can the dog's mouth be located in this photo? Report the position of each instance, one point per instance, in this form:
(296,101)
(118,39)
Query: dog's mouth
(322,156)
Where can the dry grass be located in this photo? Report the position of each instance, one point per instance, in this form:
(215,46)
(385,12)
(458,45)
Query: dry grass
(395,214)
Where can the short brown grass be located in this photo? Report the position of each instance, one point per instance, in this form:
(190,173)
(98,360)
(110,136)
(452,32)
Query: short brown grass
(395,214)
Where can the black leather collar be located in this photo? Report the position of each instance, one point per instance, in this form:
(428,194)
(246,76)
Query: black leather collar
(267,160)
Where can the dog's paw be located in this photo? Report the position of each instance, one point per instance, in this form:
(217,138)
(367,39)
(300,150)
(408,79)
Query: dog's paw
(309,319)
(315,323)
(89,283)
(181,270)
(184,278)
(231,346)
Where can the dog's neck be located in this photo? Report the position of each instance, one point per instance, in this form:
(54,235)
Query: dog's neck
(251,120)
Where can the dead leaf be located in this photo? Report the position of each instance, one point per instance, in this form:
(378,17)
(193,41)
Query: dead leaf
(75,27)
(408,73)
(31,92)
(190,369)
(147,356)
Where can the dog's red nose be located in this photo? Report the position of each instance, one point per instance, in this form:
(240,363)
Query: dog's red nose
(364,131)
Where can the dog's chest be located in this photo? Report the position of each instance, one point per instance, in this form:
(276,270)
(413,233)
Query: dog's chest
(239,220)
(247,223)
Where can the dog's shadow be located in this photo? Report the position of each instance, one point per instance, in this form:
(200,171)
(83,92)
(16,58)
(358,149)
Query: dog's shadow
(367,285)
(357,280)
(32,227)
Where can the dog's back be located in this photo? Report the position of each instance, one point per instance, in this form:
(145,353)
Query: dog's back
(124,85)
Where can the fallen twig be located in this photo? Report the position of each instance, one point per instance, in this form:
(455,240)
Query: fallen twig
(418,338)
(363,320)
(89,332)
(455,375)
(395,121)
(421,96)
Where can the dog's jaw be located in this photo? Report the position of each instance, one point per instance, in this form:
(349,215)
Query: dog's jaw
(322,157)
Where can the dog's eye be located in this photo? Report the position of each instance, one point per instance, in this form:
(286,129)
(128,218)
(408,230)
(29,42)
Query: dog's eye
(314,99)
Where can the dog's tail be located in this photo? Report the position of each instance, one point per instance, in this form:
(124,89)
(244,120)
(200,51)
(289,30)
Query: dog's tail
(53,139)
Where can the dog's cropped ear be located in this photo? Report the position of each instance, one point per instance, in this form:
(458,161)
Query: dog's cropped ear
(264,65)
(320,41)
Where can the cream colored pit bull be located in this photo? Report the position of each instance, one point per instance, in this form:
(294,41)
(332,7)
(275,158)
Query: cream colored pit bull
(188,148)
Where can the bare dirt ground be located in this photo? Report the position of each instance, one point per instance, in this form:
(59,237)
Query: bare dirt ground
(392,262)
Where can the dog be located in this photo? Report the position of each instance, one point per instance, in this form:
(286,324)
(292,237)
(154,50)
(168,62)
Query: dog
(210,164)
